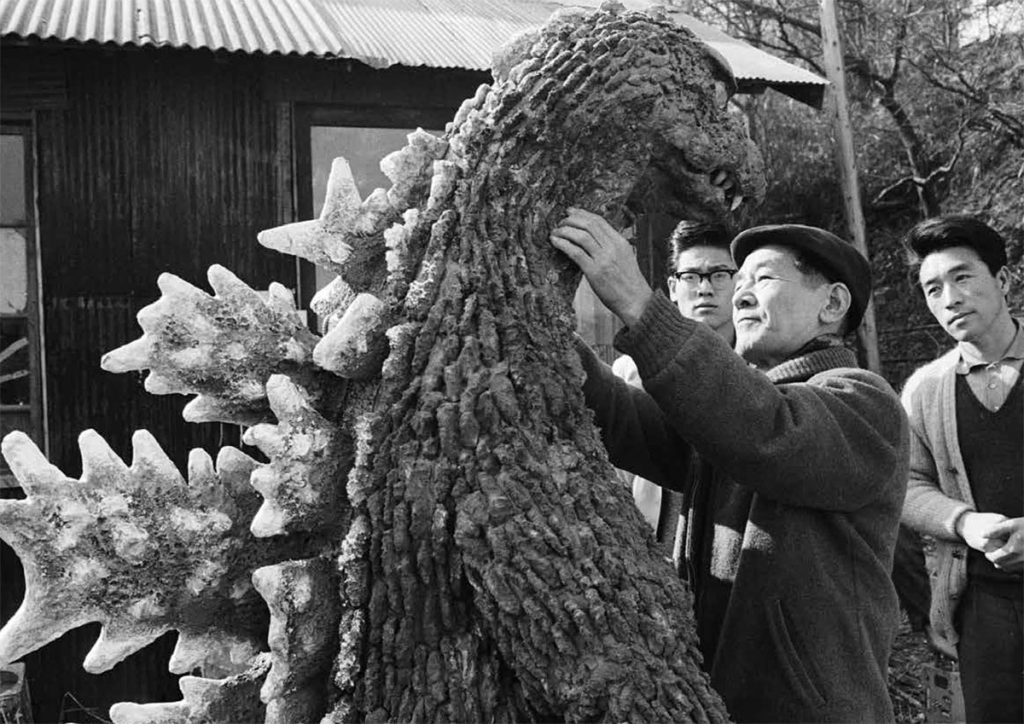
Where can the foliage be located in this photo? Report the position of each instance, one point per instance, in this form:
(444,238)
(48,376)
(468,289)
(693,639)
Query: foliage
(936,95)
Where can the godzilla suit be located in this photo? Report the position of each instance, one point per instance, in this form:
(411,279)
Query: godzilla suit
(437,534)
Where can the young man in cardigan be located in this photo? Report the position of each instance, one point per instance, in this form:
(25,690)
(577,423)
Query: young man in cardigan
(802,456)
(966,485)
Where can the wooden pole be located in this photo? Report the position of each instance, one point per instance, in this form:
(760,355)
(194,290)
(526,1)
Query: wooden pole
(868,332)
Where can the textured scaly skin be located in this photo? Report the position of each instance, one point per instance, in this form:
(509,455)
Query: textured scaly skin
(441,536)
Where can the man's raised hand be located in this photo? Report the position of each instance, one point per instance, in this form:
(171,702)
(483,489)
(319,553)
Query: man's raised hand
(607,261)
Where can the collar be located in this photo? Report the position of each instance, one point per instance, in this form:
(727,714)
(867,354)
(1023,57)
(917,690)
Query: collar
(820,354)
(967,361)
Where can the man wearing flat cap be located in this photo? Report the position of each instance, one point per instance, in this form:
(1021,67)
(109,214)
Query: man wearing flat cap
(791,460)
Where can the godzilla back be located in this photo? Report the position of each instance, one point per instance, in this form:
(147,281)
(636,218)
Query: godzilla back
(437,534)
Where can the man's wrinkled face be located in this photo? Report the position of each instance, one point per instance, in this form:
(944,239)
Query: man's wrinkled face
(702,286)
(961,293)
(776,307)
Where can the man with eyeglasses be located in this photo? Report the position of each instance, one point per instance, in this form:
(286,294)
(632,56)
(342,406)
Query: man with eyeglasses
(701,282)
(802,458)
(700,285)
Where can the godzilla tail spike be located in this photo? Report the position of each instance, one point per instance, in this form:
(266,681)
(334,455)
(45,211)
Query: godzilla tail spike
(99,461)
(280,298)
(233,464)
(35,624)
(270,519)
(302,239)
(200,467)
(29,465)
(130,357)
(114,646)
(204,408)
(266,437)
(225,283)
(333,298)
(356,346)
(126,712)
(286,398)
(150,464)
(151,315)
(158,384)
(171,284)
(342,200)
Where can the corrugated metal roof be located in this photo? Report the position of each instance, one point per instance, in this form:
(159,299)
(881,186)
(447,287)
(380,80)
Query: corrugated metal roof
(380,33)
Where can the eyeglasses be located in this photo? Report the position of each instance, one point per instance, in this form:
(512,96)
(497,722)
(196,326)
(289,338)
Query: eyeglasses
(719,278)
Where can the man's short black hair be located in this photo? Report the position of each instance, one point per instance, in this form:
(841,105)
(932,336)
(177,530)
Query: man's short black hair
(945,232)
(689,234)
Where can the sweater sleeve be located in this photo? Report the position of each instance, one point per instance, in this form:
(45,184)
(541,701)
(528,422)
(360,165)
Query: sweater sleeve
(633,429)
(927,508)
(831,443)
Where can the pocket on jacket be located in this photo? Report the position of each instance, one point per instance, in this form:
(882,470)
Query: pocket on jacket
(789,656)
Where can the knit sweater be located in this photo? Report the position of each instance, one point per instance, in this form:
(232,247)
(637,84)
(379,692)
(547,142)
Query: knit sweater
(812,613)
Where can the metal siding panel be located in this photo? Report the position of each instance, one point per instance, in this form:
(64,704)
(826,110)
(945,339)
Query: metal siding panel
(32,80)
(162,160)
(170,162)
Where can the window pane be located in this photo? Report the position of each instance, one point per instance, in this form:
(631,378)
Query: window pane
(15,373)
(13,206)
(13,272)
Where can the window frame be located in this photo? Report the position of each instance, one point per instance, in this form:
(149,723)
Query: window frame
(33,306)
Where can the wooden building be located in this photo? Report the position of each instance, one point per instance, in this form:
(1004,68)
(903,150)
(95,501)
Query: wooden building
(139,139)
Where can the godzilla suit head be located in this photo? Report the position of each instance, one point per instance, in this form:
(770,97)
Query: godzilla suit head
(627,110)
(620,113)
(437,533)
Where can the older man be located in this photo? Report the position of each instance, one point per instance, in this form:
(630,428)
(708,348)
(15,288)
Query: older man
(804,455)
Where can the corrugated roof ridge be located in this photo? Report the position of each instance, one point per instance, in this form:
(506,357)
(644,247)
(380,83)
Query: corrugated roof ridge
(437,33)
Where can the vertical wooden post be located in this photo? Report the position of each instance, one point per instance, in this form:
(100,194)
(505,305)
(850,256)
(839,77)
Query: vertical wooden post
(832,48)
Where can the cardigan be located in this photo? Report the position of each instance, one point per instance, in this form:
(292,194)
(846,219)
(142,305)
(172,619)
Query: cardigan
(822,447)
(938,490)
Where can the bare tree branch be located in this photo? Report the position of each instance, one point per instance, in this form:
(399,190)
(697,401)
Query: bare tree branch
(779,16)
(1013,125)
(891,188)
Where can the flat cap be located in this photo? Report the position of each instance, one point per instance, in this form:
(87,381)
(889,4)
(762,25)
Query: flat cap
(838,259)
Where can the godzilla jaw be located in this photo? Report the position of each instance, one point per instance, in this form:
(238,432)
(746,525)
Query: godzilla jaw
(682,187)
(681,191)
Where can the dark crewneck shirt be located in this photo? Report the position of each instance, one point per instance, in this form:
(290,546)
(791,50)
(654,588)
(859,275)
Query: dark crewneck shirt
(990,443)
